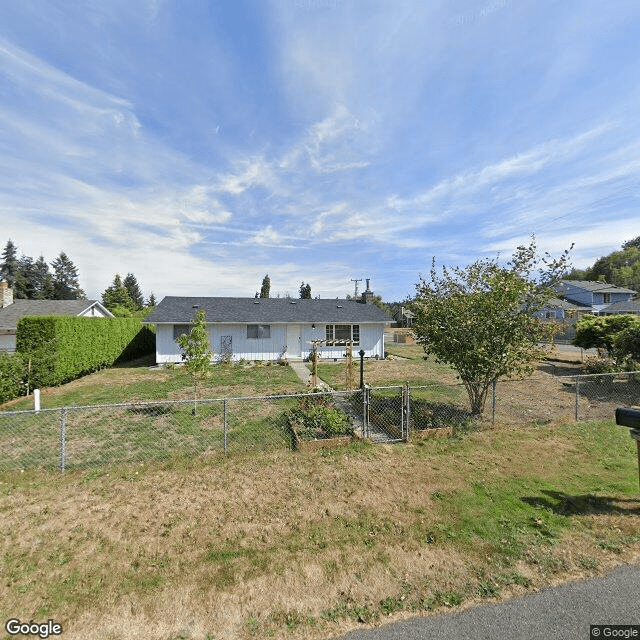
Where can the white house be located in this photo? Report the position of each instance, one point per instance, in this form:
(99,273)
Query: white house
(12,310)
(269,329)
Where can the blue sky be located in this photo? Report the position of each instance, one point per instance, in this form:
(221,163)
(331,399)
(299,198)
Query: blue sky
(201,144)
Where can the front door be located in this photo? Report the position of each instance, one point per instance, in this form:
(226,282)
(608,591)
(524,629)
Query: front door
(294,348)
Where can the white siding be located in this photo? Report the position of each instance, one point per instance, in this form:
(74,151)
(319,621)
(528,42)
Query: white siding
(272,348)
(7,342)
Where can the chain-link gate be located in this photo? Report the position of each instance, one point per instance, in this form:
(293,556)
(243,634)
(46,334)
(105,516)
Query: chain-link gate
(386,412)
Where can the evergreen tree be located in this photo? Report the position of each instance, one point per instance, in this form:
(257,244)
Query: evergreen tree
(266,287)
(151,302)
(24,284)
(43,280)
(10,263)
(305,291)
(116,296)
(65,279)
(130,283)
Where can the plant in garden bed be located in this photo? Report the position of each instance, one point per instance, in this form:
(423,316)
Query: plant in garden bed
(317,418)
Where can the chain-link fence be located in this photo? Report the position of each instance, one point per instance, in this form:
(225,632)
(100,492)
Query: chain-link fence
(80,437)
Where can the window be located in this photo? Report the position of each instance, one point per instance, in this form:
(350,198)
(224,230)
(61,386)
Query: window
(343,332)
(180,329)
(258,331)
(607,298)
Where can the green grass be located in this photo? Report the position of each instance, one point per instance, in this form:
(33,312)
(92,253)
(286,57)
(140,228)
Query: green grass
(139,381)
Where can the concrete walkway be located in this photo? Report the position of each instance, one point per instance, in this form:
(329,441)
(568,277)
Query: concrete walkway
(303,372)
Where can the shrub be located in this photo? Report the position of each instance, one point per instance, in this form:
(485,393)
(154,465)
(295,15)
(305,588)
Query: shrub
(12,375)
(320,419)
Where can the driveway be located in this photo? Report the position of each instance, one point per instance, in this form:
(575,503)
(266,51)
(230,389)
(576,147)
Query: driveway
(561,613)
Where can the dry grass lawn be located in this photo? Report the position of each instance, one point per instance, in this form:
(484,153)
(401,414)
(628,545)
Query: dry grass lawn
(310,546)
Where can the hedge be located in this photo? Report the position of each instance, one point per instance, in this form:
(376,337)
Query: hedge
(63,348)
(12,373)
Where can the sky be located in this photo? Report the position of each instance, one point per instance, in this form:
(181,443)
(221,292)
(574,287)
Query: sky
(201,144)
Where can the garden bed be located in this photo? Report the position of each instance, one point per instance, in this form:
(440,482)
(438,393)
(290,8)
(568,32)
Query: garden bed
(317,424)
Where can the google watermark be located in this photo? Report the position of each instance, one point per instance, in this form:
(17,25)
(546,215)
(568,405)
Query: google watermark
(614,631)
(15,627)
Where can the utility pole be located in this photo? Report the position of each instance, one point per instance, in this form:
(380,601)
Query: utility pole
(356,280)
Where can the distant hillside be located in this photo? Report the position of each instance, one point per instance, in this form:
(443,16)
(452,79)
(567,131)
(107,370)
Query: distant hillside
(621,268)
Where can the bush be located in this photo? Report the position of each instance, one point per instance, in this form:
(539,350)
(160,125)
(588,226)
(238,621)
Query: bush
(12,376)
(62,348)
(317,418)
(593,365)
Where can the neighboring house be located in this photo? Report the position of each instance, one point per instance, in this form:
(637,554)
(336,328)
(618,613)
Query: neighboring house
(12,310)
(627,306)
(558,309)
(597,296)
(270,329)
(404,317)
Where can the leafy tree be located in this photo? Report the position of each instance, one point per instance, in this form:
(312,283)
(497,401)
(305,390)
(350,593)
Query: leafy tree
(627,344)
(130,283)
(621,268)
(266,287)
(116,297)
(618,335)
(65,279)
(196,352)
(478,319)
(599,332)
(305,291)
(10,263)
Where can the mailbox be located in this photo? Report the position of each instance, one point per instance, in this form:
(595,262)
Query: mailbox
(628,417)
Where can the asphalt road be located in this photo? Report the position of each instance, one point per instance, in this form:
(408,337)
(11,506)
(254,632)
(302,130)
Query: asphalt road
(561,613)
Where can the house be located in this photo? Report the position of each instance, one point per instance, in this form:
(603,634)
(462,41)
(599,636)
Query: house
(270,329)
(12,310)
(595,295)
(404,317)
(558,309)
(625,306)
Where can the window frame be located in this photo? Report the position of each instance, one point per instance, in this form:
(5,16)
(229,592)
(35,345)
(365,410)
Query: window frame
(262,331)
(183,328)
(354,333)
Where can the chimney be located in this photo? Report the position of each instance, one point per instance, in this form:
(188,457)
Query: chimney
(367,296)
(6,294)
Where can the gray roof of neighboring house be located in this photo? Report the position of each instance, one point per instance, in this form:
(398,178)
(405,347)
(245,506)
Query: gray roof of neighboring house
(10,314)
(558,303)
(177,309)
(595,286)
(624,306)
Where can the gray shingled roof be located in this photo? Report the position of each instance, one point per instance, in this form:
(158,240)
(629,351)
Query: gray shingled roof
(175,309)
(594,286)
(10,314)
(624,306)
(558,303)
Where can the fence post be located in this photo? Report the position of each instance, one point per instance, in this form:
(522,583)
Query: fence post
(63,429)
(577,396)
(365,411)
(493,402)
(406,411)
(224,404)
